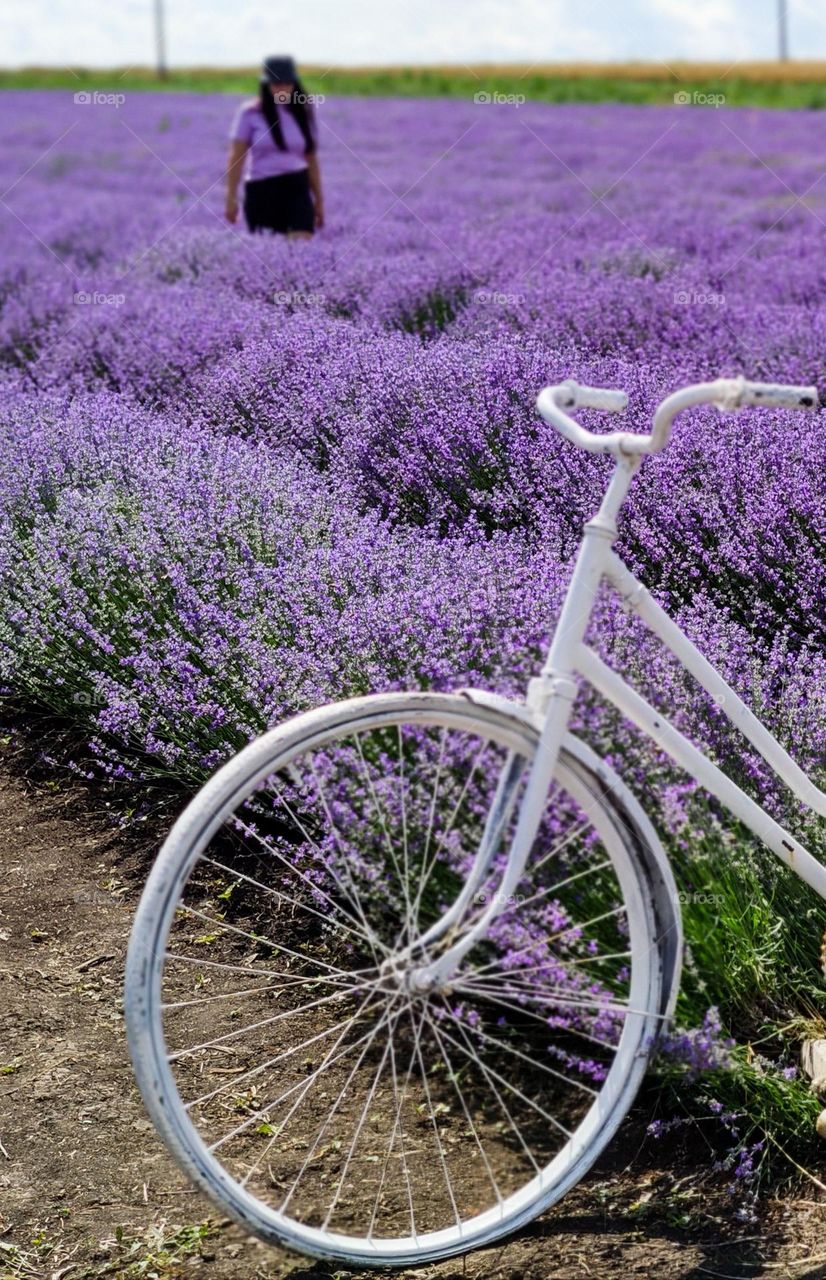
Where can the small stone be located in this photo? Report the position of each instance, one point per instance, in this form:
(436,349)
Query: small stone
(820,1125)
(813,1062)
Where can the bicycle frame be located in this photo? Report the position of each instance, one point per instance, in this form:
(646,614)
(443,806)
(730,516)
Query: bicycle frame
(551,695)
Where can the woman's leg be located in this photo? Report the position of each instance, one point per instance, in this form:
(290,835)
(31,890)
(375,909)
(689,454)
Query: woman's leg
(250,216)
(301,216)
(261,207)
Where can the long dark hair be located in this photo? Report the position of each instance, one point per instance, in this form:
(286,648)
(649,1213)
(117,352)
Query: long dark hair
(300,110)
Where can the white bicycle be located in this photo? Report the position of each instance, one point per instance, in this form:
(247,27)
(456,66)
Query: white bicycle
(400,966)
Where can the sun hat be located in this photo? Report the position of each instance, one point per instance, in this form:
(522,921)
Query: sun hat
(279,70)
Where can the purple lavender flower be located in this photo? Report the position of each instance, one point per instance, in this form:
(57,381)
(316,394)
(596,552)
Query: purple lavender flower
(246,477)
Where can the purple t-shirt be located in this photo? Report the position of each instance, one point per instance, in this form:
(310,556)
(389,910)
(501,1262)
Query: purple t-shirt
(265,159)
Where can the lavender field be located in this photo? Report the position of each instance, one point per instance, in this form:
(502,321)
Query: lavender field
(244,476)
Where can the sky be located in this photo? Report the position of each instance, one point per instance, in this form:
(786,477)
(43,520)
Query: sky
(335,32)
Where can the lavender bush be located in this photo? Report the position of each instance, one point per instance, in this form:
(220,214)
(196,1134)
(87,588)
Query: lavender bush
(245,476)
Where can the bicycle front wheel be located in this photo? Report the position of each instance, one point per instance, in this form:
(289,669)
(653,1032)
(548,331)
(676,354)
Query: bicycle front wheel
(316,1095)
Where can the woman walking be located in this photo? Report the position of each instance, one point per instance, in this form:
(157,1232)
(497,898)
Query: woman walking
(274,143)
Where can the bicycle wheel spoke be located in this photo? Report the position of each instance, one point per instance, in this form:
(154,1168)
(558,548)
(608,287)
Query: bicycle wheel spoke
(408,920)
(221,995)
(442,841)
(271,1062)
(337,838)
(502,1045)
(355,922)
(500,1100)
(302,1088)
(284,897)
(399,1100)
(359,924)
(462,1102)
(532,975)
(577,1031)
(428,864)
(254,1026)
(566,962)
(431,817)
(368,1041)
(380,811)
(531,1102)
(544,942)
(360,1125)
(199,962)
(304,1085)
(542,894)
(268,942)
(553,999)
(435,1127)
(563,844)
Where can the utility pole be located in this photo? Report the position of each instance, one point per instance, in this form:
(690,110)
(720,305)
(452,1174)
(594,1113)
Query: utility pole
(160,40)
(783,29)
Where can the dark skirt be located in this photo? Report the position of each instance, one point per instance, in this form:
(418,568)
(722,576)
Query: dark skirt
(280,204)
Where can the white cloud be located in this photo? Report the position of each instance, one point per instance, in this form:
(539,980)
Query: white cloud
(216,32)
(712,29)
(391,31)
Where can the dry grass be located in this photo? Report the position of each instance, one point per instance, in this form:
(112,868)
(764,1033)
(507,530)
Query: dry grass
(774,72)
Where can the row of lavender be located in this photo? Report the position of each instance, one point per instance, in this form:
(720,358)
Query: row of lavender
(394,361)
(247,476)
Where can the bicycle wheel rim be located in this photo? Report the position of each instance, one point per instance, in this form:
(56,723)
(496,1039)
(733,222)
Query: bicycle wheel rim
(152,927)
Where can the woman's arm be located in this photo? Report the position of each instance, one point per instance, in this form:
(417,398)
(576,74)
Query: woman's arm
(315,187)
(235,164)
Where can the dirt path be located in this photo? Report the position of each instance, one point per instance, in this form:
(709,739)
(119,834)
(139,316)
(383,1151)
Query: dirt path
(87,1191)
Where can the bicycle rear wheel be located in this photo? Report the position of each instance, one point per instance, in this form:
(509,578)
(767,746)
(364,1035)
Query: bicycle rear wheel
(292,1071)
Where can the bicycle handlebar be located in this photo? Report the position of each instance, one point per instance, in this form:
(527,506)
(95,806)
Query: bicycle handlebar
(778,396)
(553,401)
(599,398)
(727,394)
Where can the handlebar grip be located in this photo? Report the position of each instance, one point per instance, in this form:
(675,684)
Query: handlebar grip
(597,398)
(778,396)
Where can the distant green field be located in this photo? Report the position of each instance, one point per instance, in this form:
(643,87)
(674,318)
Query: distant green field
(792,84)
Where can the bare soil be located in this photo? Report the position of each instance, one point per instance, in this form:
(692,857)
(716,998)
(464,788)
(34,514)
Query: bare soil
(87,1190)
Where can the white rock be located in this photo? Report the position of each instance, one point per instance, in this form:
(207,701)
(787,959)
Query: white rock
(813,1058)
